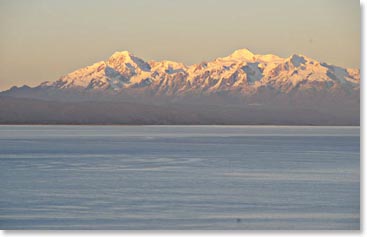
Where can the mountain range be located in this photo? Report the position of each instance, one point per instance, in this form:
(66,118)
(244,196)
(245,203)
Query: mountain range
(242,88)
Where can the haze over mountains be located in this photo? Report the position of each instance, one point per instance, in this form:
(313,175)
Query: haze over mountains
(242,88)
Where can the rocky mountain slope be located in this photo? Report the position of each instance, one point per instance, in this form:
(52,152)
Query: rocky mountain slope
(243,80)
(241,72)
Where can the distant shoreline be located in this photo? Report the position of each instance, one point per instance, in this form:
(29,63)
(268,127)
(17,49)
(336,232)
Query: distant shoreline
(207,125)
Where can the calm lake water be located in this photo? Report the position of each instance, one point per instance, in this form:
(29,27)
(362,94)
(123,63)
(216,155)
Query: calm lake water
(179,177)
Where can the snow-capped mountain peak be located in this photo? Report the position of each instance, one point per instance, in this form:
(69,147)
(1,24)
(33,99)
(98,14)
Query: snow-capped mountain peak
(242,53)
(241,73)
(119,54)
(128,59)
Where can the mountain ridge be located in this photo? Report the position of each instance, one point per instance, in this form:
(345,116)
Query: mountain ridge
(252,85)
(240,70)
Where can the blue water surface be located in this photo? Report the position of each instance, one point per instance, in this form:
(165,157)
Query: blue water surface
(179,177)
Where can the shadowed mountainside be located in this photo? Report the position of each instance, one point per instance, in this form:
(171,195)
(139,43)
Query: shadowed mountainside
(32,111)
(242,88)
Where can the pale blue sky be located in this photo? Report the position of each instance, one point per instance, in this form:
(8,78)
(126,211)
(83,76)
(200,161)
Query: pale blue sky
(44,39)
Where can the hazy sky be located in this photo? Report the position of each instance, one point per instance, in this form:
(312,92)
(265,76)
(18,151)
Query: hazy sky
(42,40)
